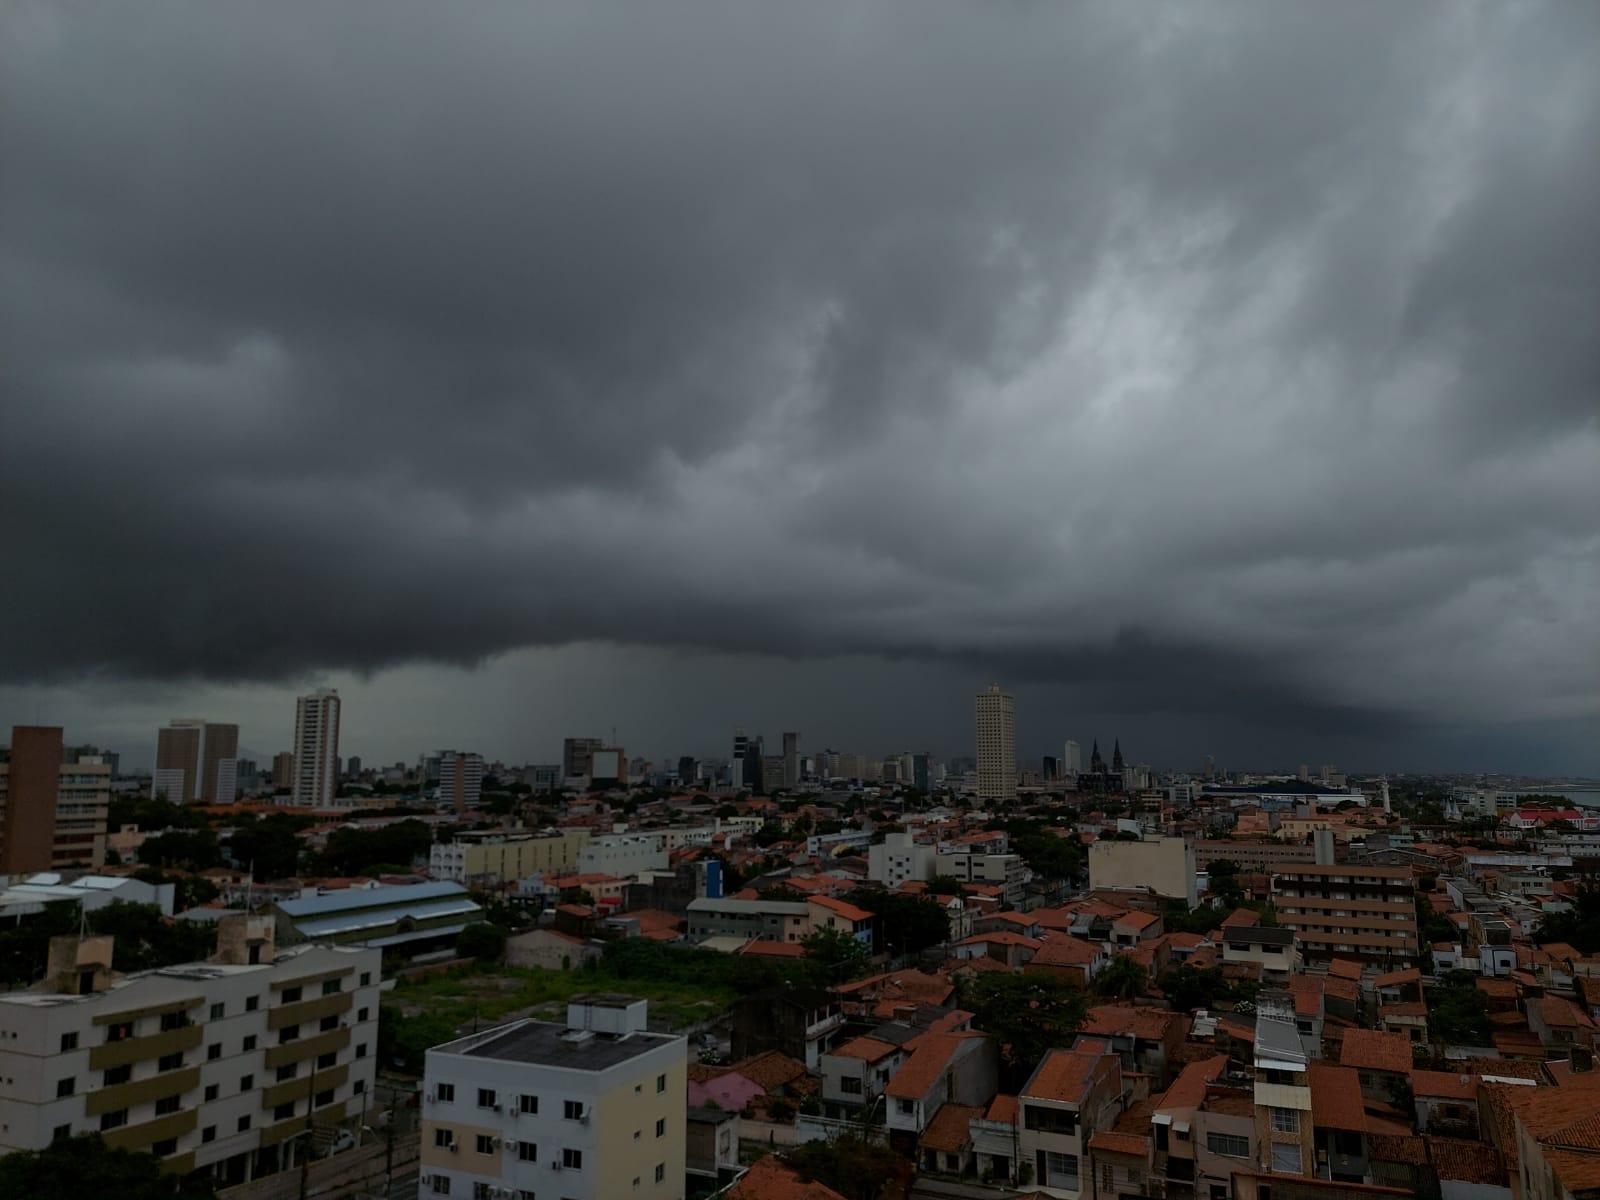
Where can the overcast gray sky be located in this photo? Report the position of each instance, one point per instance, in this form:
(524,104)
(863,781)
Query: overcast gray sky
(1223,376)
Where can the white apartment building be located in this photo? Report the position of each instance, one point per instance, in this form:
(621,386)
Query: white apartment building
(593,1109)
(997,746)
(1005,870)
(623,855)
(316,749)
(1072,760)
(210,1066)
(899,858)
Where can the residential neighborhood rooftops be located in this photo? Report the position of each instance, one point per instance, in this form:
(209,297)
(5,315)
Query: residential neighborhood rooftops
(1375,1050)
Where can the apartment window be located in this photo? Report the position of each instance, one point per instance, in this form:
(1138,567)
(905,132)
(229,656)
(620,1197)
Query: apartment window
(169,1062)
(485,1144)
(483,1191)
(330,986)
(212,1091)
(486,1098)
(661,1127)
(441,1185)
(1286,1120)
(366,978)
(661,1083)
(328,1022)
(1049,1120)
(1058,1170)
(213,1051)
(217,1011)
(572,1159)
(906,1107)
(290,1033)
(69,1041)
(119,1031)
(661,1172)
(174,1020)
(444,1138)
(251,1003)
(164,1147)
(850,1085)
(244,1122)
(1286,1157)
(65,1087)
(246,1082)
(113,1120)
(528,1151)
(291,995)
(361,1049)
(249,1043)
(1228,1144)
(447,1092)
(361,1014)
(61,1133)
(527,1103)
(288,1072)
(328,1060)
(284,1111)
(572,1110)
(208,1134)
(167,1104)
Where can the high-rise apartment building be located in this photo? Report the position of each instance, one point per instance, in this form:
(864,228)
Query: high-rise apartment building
(997,748)
(587,1110)
(791,760)
(1344,910)
(1072,760)
(576,754)
(52,811)
(221,1067)
(197,762)
(460,780)
(316,749)
(283,769)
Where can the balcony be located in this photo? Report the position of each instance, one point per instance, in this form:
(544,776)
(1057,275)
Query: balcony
(141,1091)
(304,1011)
(139,1049)
(323,1120)
(141,1137)
(299,1089)
(304,1048)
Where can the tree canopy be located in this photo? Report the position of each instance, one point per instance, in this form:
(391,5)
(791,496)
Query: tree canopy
(1579,926)
(86,1166)
(1123,978)
(1026,1015)
(840,955)
(852,1166)
(905,924)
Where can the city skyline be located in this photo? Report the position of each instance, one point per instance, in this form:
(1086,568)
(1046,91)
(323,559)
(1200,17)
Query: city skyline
(1210,378)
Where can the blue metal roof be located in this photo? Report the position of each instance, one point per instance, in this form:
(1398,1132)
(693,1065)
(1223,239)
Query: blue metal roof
(387,894)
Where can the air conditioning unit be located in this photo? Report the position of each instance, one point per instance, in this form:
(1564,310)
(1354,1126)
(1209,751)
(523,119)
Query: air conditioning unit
(433,1096)
(555,1164)
(496,1142)
(583,1117)
(455,1147)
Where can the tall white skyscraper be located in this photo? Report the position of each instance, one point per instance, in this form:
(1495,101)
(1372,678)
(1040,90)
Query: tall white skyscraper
(316,749)
(1072,761)
(997,746)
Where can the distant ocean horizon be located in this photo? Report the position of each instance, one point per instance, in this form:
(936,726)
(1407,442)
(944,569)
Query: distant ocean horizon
(1588,799)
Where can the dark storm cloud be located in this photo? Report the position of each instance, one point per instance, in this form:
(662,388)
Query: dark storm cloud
(981,334)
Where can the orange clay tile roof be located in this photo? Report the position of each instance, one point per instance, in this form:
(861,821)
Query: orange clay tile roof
(1559,1012)
(949,1130)
(1189,1088)
(1241,917)
(1397,1148)
(1002,1109)
(771,1070)
(928,1061)
(1003,938)
(771,1179)
(1064,950)
(1396,978)
(1374,1050)
(1187,941)
(974,965)
(1336,1098)
(1307,992)
(1108,1020)
(1341,989)
(1345,968)
(1445,1085)
(1051,918)
(1404,1008)
(868,1049)
(1467,1161)
(1553,1119)
(1108,1141)
(1382,1125)
(1514,1043)
(848,911)
(1137,920)
(1577,1172)
(1500,989)
(1062,1075)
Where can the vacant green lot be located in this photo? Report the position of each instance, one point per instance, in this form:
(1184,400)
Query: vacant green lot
(490,994)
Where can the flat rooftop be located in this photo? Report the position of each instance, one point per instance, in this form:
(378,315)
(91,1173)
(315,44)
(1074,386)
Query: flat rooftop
(548,1044)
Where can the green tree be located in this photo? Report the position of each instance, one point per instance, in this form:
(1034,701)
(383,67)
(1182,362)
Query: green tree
(403,1039)
(86,1166)
(1189,988)
(946,885)
(1222,878)
(269,847)
(576,895)
(905,924)
(1122,979)
(352,851)
(189,849)
(1458,1014)
(1026,1015)
(840,955)
(1579,926)
(482,941)
(852,1166)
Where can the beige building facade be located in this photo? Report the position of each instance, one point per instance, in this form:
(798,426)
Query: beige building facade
(996,745)
(1165,865)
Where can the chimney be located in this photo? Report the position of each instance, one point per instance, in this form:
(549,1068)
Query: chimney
(244,940)
(77,966)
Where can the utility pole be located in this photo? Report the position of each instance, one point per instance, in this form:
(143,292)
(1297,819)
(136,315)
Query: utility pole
(311,1134)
